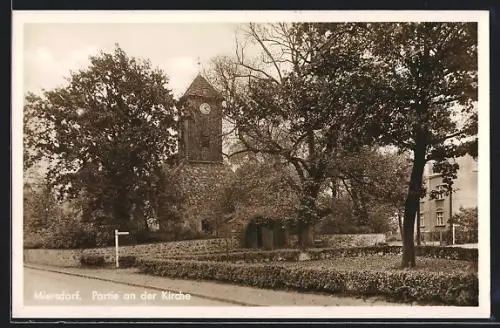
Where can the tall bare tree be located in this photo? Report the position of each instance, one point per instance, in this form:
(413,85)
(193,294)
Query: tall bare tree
(281,107)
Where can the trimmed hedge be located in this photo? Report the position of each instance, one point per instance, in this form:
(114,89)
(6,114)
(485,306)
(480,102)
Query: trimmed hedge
(127,261)
(406,285)
(450,253)
(92,260)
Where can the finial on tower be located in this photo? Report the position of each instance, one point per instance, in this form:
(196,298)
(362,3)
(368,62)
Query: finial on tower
(199,64)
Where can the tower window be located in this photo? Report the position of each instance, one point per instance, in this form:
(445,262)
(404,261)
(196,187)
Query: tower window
(205,226)
(205,141)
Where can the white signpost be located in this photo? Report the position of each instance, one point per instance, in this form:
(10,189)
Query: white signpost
(118,233)
(453,234)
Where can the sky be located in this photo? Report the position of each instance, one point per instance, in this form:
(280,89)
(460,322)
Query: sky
(52,50)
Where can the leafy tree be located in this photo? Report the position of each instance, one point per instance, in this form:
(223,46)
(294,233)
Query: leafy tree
(420,84)
(40,210)
(373,176)
(258,190)
(39,206)
(430,95)
(374,182)
(467,218)
(106,134)
(167,198)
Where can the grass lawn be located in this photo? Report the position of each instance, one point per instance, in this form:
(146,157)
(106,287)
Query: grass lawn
(387,262)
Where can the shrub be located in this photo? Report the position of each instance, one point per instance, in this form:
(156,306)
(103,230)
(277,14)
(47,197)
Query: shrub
(68,234)
(450,253)
(92,260)
(33,240)
(127,261)
(394,237)
(452,289)
(104,235)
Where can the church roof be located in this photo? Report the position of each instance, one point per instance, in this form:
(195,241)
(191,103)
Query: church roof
(200,87)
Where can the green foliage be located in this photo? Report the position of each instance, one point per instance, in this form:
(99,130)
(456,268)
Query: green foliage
(452,289)
(368,187)
(39,206)
(92,261)
(32,240)
(145,237)
(257,191)
(466,218)
(66,233)
(106,134)
(167,198)
(340,220)
(127,261)
(264,190)
(49,224)
(428,88)
(291,255)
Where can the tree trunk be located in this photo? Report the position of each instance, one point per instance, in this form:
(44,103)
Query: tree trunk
(304,235)
(400,224)
(411,204)
(418,223)
(308,214)
(359,202)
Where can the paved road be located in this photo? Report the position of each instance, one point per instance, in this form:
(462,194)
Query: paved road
(50,288)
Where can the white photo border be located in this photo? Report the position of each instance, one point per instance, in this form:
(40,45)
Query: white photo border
(19,310)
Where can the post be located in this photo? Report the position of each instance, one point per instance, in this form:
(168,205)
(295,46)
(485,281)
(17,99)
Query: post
(117,233)
(116,249)
(453,234)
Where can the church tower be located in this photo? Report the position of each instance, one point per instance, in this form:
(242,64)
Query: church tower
(201,127)
(201,169)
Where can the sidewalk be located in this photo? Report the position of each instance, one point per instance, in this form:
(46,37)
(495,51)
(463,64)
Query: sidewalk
(235,294)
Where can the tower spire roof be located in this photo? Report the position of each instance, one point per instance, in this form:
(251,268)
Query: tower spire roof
(200,87)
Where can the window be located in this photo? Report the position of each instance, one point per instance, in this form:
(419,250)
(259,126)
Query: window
(442,190)
(422,223)
(439,219)
(205,226)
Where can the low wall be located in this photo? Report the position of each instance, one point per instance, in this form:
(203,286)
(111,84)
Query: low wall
(71,257)
(346,240)
(56,257)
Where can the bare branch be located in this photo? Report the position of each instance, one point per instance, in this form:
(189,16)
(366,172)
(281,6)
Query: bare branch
(265,48)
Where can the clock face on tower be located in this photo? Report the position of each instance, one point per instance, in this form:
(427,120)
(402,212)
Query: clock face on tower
(205,108)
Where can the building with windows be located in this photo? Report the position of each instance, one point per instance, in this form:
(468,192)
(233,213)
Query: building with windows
(435,213)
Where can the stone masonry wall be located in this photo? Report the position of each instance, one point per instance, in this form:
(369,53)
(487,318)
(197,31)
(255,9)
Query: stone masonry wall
(71,257)
(54,257)
(200,183)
